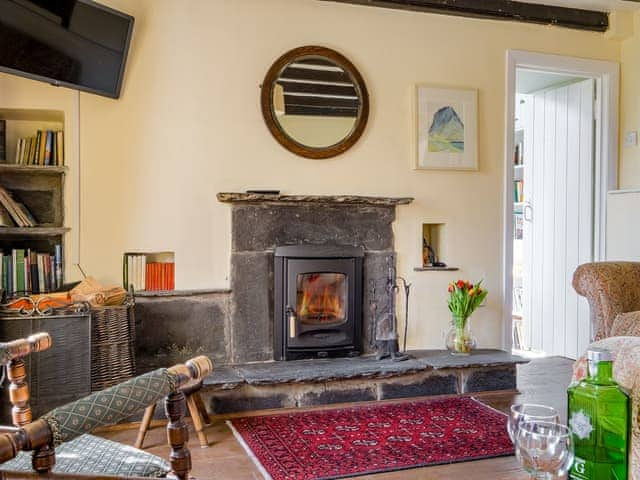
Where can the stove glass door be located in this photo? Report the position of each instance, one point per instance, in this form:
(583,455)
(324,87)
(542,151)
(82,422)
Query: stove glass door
(321,299)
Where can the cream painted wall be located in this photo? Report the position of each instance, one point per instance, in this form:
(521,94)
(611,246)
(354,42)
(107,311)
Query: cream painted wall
(189,125)
(629,176)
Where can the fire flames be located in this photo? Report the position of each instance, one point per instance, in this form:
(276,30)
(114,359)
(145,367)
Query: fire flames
(321,299)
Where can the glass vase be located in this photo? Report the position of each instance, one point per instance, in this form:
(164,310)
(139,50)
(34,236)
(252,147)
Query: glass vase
(460,339)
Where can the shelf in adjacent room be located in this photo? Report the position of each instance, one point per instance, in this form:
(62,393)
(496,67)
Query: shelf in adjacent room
(435,269)
(34,231)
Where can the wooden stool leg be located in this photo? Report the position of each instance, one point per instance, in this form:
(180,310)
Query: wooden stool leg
(197,420)
(144,425)
(201,408)
(178,436)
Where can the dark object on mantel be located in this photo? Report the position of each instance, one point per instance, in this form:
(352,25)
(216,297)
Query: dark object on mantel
(265,192)
(239,197)
(435,268)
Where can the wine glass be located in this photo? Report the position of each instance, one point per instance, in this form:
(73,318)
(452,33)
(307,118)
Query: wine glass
(529,412)
(544,449)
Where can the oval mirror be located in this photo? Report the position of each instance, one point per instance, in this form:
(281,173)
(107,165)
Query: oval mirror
(314,102)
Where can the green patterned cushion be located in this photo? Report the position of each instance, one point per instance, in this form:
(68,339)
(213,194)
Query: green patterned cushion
(109,406)
(89,454)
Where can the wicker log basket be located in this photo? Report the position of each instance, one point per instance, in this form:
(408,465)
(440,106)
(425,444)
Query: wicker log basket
(112,344)
(112,332)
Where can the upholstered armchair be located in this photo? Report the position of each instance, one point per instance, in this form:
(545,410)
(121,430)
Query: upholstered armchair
(613,292)
(626,371)
(61,437)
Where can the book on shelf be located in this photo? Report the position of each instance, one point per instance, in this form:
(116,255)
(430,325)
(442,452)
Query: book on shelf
(19,213)
(518,153)
(3,141)
(41,147)
(152,271)
(518,191)
(5,217)
(25,271)
(46,147)
(59,157)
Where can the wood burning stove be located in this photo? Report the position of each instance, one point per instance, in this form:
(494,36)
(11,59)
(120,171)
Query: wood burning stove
(318,301)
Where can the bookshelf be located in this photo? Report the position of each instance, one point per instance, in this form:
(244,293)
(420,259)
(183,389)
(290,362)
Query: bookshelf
(41,189)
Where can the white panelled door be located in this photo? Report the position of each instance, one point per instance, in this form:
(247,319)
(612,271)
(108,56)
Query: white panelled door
(558,221)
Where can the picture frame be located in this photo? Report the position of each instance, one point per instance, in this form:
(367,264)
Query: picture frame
(446,128)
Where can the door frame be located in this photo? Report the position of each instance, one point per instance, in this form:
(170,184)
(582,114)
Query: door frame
(607,76)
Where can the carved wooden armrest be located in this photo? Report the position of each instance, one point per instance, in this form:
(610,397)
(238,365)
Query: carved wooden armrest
(108,407)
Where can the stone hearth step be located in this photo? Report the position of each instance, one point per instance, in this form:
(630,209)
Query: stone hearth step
(302,383)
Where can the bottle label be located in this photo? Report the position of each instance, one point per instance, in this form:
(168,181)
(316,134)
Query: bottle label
(580,424)
(580,469)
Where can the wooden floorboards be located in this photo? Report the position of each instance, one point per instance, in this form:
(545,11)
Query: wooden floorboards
(542,381)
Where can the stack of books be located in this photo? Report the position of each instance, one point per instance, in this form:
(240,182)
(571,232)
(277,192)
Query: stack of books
(16,211)
(135,268)
(160,276)
(25,271)
(45,148)
(153,271)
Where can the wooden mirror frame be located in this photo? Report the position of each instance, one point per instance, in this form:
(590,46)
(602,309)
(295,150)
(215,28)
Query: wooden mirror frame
(266,101)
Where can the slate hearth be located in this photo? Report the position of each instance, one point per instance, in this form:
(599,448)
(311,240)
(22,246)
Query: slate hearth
(302,383)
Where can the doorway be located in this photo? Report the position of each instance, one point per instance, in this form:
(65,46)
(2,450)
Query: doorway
(561,160)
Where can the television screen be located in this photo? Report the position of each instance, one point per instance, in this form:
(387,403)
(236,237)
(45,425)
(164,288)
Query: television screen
(72,43)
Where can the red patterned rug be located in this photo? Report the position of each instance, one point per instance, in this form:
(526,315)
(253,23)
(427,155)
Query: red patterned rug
(344,442)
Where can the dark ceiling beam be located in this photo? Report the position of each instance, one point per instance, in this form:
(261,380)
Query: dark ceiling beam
(321,111)
(500,10)
(292,72)
(318,89)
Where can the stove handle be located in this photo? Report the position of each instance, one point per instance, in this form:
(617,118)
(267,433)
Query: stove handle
(293,321)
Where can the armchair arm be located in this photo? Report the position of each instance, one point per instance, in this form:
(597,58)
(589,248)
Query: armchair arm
(38,342)
(107,407)
(610,288)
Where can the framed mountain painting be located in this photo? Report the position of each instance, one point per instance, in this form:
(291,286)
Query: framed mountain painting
(446,128)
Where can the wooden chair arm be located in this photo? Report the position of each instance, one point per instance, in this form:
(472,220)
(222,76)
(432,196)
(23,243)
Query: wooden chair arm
(22,347)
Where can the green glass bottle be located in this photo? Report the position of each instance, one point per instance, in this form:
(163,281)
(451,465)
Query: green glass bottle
(599,419)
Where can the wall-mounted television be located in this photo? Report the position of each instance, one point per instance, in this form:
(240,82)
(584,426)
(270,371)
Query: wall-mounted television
(73,43)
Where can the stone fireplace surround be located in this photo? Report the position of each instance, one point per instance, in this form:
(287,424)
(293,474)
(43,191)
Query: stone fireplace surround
(236,325)
(262,222)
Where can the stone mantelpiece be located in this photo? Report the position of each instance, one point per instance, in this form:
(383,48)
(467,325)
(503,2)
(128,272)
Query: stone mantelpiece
(239,197)
(261,222)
